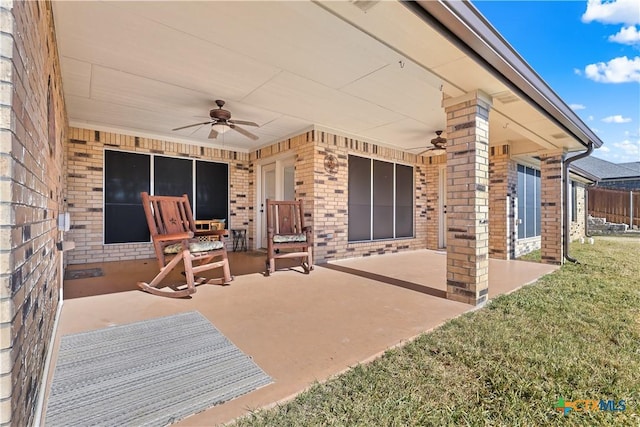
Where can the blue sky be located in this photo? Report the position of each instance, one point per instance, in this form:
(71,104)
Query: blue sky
(588,51)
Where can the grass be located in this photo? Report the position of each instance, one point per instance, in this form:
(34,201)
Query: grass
(574,334)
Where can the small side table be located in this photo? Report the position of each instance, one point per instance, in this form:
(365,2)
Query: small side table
(239,239)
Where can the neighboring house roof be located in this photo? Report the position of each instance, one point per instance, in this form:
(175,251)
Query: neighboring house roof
(631,165)
(604,170)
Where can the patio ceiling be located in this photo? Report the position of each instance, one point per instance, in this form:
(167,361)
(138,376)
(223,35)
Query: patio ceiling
(144,68)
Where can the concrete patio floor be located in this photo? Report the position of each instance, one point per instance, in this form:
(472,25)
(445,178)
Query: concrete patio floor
(298,328)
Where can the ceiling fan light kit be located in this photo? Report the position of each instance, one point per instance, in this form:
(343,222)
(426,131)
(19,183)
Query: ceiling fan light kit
(221,122)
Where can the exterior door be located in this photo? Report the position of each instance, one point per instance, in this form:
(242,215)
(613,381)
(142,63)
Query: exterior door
(277,183)
(268,192)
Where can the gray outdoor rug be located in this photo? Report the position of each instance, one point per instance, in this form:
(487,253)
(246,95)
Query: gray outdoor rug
(150,373)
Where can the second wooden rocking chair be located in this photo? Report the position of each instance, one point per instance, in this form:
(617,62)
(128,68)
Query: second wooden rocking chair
(175,239)
(287,237)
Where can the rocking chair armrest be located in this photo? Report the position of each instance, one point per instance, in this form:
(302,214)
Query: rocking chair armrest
(174,236)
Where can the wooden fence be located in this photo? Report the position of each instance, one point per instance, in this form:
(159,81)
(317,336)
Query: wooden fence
(618,206)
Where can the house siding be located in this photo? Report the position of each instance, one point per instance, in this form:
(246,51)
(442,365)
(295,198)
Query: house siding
(503,182)
(33,123)
(325,194)
(331,216)
(85,180)
(578,226)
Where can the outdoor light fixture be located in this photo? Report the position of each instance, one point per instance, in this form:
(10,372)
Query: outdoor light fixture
(220,127)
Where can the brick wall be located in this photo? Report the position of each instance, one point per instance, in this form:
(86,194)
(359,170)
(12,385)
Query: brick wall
(578,226)
(431,188)
(552,208)
(326,195)
(503,183)
(32,128)
(524,246)
(84,191)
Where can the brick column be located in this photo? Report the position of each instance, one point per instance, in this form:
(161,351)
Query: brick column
(503,183)
(551,208)
(468,197)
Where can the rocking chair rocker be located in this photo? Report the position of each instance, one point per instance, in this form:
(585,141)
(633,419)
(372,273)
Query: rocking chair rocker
(287,237)
(173,232)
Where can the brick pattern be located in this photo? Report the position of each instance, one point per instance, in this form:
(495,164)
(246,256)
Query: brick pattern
(84,191)
(524,246)
(578,226)
(326,197)
(331,216)
(431,187)
(551,207)
(503,186)
(468,200)
(32,123)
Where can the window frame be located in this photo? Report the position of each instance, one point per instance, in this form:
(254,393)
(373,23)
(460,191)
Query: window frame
(526,207)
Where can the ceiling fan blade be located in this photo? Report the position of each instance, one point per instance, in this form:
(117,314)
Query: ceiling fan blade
(434,149)
(242,131)
(243,122)
(195,124)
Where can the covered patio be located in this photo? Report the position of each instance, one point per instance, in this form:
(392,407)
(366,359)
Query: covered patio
(106,100)
(298,328)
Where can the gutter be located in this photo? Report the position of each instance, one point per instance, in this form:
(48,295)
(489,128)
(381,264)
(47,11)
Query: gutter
(464,26)
(567,215)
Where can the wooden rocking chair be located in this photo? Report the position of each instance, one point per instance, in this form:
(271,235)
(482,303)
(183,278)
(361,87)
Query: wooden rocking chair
(174,236)
(287,237)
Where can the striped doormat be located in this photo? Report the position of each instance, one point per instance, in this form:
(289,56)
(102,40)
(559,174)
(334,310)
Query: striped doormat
(149,373)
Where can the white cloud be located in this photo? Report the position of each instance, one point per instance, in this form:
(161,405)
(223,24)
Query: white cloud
(616,119)
(577,71)
(628,148)
(591,118)
(576,107)
(627,35)
(618,70)
(604,149)
(613,12)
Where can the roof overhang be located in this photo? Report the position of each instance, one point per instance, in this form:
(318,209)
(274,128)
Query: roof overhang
(380,75)
(464,25)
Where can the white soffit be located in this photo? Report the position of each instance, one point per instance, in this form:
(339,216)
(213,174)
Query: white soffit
(149,67)
(295,36)
(123,41)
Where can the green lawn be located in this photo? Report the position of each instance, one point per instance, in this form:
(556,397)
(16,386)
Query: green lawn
(574,334)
